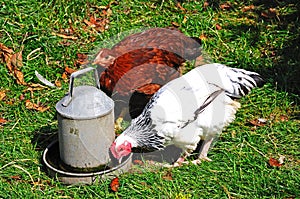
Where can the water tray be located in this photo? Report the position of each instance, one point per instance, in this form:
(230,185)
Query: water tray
(56,169)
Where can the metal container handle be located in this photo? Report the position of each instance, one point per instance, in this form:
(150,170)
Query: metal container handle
(68,98)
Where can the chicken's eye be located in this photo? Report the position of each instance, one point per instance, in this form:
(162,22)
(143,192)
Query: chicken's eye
(107,57)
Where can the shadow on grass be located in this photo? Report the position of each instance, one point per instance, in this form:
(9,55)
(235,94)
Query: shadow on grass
(284,72)
(43,137)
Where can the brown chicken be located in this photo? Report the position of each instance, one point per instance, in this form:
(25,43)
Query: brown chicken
(169,39)
(135,68)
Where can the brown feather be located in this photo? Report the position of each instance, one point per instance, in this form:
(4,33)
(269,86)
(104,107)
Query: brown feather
(141,63)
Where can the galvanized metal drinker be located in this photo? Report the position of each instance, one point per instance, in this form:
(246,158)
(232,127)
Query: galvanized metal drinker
(85,125)
(85,133)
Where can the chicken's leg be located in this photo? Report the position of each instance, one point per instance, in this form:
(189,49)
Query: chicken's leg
(204,151)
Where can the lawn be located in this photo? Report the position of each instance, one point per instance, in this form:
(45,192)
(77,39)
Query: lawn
(53,36)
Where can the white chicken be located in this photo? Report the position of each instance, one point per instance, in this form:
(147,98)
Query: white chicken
(196,106)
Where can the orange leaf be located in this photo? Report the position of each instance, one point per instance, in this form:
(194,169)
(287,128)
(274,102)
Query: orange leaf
(203,37)
(3,121)
(64,76)
(33,106)
(175,24)
(274,163)
(20,77)
(57,83)
(69,70)
(2,95)
(180,7)
(114,184)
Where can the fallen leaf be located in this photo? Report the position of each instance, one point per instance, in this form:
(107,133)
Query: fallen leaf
(225,6)
(248,8)
(258,122)
(184,19)
(138,162)
(13,62)
(81,59)
(203,37)
(271,13)
(37,107)
(180,7)
(2,95)
(274,163)
(3,121)
(21,97)
(205,4)
(175,24)
(114,184)
(57,83)
(99,24)
(168,176)
(64,76)
(283,118)
(69,71)
(20,77)
(16,177)
(218,27)
(17,60)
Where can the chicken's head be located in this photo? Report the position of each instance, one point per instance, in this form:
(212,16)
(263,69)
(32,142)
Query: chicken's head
(104,58)
(121,147)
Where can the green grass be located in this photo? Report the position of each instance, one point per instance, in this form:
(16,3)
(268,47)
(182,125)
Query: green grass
(240,168)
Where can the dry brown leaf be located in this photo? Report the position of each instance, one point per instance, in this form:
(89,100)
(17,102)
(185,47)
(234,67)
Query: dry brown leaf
(225,6)
(138,162)
(180,7)
(20,77)
(283,118)
(17,60)
(57,83)
(81,59)
(64,76)
(258,122)
(274,163)
(13,62)
(203,37)
(168,176)
(248,8)
(69,71)
(271,13)
(16,177)
(37,107)
(175,24)
(2,95)
(205,4)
